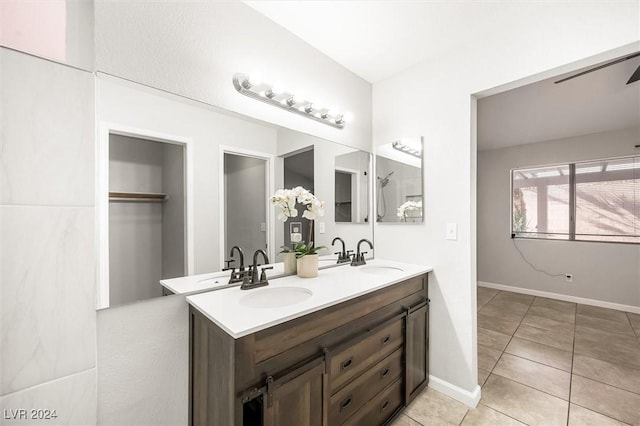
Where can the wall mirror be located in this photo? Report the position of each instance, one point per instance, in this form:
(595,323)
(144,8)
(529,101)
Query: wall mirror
(399,181)
(182,182)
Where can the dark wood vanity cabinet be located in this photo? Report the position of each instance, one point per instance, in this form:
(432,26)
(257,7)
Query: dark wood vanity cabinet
(356,363)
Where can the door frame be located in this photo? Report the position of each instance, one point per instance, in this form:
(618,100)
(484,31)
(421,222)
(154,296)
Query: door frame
(105,129)
(355,186)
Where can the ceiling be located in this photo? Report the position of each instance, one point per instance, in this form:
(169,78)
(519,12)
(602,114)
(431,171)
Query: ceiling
(377,39)
(593,103)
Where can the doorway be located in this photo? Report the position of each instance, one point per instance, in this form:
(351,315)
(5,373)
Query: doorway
(245,192)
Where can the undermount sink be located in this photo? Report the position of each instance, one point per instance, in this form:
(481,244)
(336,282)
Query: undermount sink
(275,297)
(379,269)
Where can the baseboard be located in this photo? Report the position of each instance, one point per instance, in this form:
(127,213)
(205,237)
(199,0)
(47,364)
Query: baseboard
(470,399)
(565,297)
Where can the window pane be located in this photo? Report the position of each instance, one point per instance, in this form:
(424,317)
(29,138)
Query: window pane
(540,202)
(608,200)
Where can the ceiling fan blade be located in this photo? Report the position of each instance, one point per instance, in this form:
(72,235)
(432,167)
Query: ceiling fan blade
(599,67)
(635,76)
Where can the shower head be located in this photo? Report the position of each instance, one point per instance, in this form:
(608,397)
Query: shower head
(385,180)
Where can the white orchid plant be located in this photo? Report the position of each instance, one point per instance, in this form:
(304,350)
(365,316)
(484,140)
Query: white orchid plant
(409,206)
(286,199)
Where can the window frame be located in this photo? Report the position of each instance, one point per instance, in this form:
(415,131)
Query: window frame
(571,236)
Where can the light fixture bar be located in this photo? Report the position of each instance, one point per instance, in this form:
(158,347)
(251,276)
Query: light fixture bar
(406,149)
(287,101)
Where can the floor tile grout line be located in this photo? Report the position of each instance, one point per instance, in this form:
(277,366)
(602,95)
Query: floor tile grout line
(502,353)
(603,383)
(539,363)
(604,319)
(573,355)
(617,364)
(529,340)
(598,412)
(420,423)
(572,352)
(511,417)
(531,387)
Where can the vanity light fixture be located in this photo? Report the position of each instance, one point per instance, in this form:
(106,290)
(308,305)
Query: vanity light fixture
(253,87)
(407,149)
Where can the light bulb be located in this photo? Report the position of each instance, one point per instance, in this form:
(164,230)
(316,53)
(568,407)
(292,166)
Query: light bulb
(255,78)
(348,117)
(300,98)
(277,89)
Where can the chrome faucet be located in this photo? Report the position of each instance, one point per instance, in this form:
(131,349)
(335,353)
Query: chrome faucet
(358,259)
(235,277)
(343,256)
(251,278)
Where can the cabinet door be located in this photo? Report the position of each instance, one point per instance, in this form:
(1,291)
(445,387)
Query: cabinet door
(297,398)
(417,350)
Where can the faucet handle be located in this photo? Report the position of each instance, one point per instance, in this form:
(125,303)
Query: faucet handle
(228,267)
(263,273)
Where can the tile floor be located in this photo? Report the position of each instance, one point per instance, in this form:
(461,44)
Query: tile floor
(545,362)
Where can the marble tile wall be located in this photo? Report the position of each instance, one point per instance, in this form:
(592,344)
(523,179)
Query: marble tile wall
(47,244)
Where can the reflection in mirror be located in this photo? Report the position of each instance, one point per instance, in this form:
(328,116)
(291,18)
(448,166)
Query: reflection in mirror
(245,193)
(228,166)
(146,217)
(351,188)
(298,171)
(399,181)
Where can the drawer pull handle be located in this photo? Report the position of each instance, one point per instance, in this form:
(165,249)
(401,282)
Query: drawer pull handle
(346,364)
(344,404)
(386,340)
(384,405)
(385,373)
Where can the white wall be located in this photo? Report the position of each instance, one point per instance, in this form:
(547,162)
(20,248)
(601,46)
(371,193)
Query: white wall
(433,99)
(602,271)
(47,279)
(61,31)
(173,212)
(143,363)
(195,48)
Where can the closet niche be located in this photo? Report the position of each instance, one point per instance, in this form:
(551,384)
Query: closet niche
(146,217)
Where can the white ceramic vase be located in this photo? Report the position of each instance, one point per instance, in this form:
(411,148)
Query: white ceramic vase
(308,266)
(290,263)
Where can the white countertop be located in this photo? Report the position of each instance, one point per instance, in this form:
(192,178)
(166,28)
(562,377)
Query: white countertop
(219,280)
(332,286)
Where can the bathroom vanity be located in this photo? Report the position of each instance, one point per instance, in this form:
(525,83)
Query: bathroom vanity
(347,347)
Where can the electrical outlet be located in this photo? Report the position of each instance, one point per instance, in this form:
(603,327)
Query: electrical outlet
(568,278)
(321,228)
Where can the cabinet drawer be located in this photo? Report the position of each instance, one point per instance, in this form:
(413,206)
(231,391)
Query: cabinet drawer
(353,396)
(352,361)
(380,408)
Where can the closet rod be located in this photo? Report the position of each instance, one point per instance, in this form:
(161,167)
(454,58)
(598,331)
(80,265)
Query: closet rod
(142,197)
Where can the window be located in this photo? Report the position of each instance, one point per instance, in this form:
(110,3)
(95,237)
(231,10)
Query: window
(587,201)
